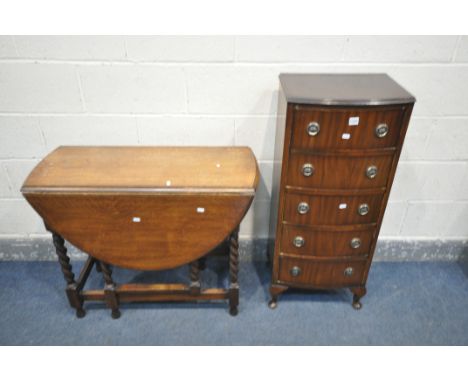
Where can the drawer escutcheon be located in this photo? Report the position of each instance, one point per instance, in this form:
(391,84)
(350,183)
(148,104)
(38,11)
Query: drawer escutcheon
(348,271)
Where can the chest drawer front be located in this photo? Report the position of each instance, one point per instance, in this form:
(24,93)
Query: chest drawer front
(331,172)
(338,128)
(322,243)
(331,210)
(323,273)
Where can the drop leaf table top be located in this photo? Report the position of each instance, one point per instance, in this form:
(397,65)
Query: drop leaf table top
(145,208)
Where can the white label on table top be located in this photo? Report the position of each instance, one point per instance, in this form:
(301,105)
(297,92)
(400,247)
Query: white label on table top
(201,210)
(136,219)
(353,121)
(342,206)
(346,136)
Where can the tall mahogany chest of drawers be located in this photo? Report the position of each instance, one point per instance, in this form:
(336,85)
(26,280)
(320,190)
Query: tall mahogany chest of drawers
(338,140)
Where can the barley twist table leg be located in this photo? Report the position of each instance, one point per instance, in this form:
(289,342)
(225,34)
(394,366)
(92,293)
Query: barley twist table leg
(194,277)
(110,290)
(202,263)
(233,272)
(98,267)
(71,290)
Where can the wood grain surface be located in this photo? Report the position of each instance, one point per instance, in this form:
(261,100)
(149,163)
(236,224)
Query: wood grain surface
(339,171)
(334,123)
(114,203)
(321,273)
(325,209)
(326,243)
(161,169)
(142,231)
(347,108)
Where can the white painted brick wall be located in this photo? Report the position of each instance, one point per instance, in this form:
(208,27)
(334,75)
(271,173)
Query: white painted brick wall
(133,89)
(105,48)
(461,54)
(396,49)
(289,49)
(186,131)
(222,90)
(7,47)
(180,49)
(21,137)
(88,130)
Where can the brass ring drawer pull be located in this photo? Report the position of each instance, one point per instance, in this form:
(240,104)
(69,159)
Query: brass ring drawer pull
(313,129)
(298,241)
(355,242)
(371,172)
(348,271)
(303,208)
(307,169)
(295,271)
(363,209)
(381,130)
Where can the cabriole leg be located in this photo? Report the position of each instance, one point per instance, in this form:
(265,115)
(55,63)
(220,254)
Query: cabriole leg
(275,291)
(110,290)
(71,290)
(358,293)
(233,272)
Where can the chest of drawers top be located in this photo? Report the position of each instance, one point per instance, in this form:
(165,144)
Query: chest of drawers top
(343,89)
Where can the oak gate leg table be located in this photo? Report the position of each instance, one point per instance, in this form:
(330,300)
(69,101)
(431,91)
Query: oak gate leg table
(144,208)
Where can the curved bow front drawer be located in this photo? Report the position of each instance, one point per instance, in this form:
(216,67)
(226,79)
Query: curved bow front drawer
(321,273)
(326,242)
(342,172)
(344,128)
(305,209)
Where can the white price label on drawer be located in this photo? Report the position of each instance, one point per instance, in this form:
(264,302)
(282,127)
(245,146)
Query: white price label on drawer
(353,121)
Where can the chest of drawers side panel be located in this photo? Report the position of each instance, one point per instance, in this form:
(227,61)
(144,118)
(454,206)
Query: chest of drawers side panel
(281,155)
(408,108)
